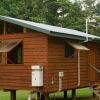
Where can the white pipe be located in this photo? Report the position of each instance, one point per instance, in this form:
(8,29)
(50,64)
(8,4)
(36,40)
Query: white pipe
(78,67)
(87,26)
(60,83)
(86,30)
(61,75)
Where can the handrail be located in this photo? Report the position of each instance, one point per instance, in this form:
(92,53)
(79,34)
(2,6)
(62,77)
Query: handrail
(94,67)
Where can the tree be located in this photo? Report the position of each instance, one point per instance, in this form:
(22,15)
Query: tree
(56,9)
(62,13)
(89,7)
(75,18)
(97,8)
(91,10)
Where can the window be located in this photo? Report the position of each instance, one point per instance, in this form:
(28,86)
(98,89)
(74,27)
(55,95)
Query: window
(15,55)
(69,50)
(13,50)
(1,27)
(19,55)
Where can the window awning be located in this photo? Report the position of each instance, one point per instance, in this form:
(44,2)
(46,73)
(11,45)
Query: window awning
(8,45)
(78,46)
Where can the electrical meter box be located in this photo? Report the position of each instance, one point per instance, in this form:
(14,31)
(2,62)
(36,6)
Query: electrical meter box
(37,75)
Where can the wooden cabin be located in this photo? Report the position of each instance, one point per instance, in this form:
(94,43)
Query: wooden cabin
(66,58)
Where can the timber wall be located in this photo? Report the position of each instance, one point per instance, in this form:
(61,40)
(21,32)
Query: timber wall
(40,49)
(18,76)
(98,63)
(58,62)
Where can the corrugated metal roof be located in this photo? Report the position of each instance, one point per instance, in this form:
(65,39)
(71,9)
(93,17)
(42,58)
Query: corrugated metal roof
(51,30)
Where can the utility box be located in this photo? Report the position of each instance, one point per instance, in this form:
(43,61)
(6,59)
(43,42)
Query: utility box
(37,75)
(61,74)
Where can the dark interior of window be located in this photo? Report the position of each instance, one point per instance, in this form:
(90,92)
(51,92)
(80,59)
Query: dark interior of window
(15,55)
(0,58)
(13,28)
(31,30)
(69,51)
(1,27)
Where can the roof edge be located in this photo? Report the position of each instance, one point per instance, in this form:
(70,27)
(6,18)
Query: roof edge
(24,25)
(69,36)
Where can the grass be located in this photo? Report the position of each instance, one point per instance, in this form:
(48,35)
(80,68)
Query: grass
(85,92)
(23,95)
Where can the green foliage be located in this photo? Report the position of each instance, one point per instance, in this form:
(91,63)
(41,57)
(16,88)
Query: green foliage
(62,13)
(97,8)
(89,6)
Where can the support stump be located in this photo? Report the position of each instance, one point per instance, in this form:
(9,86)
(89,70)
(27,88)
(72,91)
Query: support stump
(13,94)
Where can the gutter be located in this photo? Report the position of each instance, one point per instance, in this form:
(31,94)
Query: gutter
(70,36)
(97,40)
(79,74)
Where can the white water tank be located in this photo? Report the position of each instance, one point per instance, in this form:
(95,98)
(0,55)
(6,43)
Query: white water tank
(37,75)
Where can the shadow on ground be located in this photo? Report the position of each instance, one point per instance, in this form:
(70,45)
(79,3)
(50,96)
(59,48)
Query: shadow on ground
(85,98)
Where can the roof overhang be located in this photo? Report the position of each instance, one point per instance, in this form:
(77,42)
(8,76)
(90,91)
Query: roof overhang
(82,38)
(23,24)
(78,46)
(47,29)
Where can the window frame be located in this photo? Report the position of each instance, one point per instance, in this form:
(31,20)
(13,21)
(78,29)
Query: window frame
(67,52)
(22,56)
(4,56)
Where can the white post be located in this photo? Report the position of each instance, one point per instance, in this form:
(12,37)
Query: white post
(78,67)
(61,75)
(60,83)
(30,96)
